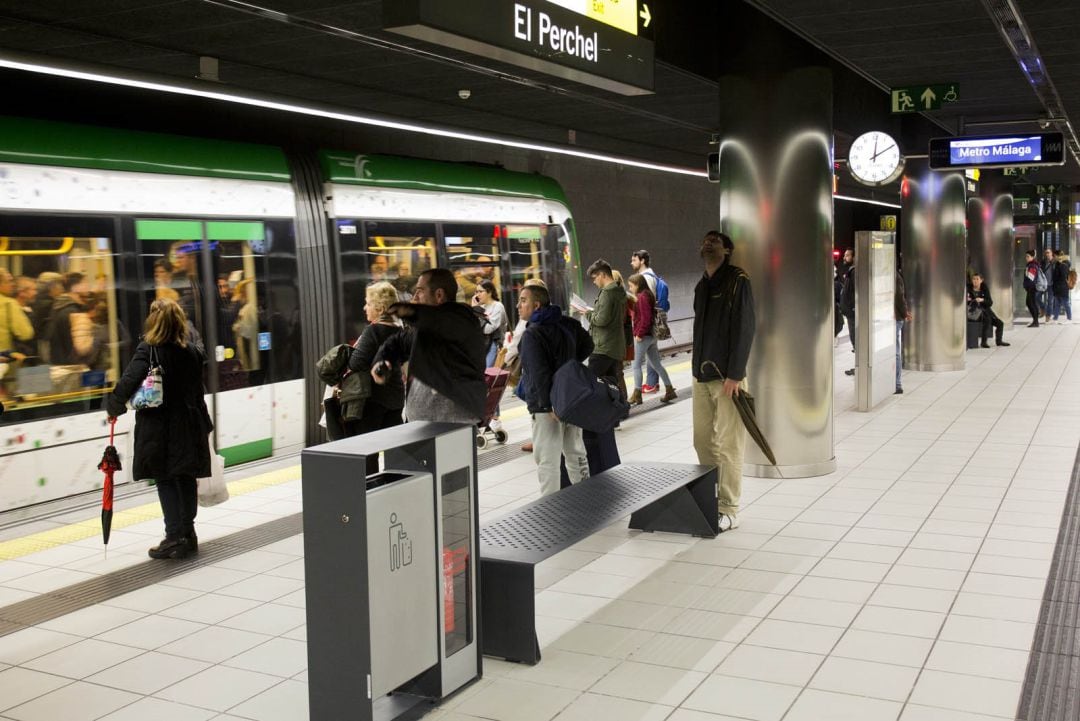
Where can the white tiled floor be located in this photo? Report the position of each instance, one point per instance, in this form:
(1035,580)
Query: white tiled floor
(905,585)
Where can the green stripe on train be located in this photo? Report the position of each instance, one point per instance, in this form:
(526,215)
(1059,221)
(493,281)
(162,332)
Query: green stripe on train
(42,142)
(245,452)
(193,230)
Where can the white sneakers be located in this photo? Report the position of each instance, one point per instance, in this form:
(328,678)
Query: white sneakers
(728,522)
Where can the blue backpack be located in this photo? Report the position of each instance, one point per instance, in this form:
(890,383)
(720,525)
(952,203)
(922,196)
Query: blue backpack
(662,295)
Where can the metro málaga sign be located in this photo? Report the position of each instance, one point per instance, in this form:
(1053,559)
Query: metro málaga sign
(541,35)
(997,151)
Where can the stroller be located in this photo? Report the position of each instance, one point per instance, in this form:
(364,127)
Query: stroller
(496,380)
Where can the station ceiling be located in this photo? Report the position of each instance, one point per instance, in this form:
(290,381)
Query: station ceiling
(334,52)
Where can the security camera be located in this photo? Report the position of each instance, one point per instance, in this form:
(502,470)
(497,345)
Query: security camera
(1044,123)
(464,94)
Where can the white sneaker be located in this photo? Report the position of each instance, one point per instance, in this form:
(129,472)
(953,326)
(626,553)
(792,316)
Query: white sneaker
(728,522)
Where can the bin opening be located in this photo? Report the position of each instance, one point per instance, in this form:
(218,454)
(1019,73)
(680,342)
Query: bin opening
(383,478)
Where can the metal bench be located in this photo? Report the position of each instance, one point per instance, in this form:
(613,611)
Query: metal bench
(659,496)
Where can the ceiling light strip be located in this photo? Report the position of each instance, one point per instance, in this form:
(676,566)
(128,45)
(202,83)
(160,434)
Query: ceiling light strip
(49,67)
(864,200)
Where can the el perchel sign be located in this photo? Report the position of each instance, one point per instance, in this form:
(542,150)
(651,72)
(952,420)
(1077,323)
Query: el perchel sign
(537,34)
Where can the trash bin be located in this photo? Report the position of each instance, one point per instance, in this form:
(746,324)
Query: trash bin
(390,574)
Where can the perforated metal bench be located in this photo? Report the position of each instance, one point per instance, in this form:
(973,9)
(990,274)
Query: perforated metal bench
(660,497)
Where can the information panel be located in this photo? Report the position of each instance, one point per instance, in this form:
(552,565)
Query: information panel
(997,151)
(540,35)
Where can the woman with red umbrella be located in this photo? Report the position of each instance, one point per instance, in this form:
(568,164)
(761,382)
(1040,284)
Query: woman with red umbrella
(171,443)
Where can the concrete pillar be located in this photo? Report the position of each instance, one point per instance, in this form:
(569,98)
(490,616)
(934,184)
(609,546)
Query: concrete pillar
(776,204)
(935,268)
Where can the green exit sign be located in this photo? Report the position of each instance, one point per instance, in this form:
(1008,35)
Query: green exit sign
(920,98)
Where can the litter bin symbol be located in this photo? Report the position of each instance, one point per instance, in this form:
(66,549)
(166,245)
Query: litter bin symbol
(401,553)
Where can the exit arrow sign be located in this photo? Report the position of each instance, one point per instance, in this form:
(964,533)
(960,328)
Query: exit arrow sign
(920,98)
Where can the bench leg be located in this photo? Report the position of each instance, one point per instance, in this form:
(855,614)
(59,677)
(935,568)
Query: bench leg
(508,611)
(690,509)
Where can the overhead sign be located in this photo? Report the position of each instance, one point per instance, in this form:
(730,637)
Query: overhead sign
(920,98)
(997,151)
(597,42)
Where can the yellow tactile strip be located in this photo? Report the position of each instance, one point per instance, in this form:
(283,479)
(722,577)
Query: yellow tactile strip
(44,540)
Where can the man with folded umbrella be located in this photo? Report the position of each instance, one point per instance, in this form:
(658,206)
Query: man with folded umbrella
(723,333)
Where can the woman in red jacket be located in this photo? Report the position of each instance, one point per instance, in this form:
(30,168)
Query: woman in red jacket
(644,340)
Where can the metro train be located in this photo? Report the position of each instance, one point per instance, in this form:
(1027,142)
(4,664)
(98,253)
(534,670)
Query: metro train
(97,222)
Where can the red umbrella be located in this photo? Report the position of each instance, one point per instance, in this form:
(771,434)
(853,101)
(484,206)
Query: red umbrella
(110,464)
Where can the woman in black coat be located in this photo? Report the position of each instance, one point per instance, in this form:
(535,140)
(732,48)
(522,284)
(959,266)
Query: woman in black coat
(383,408)
(171,444)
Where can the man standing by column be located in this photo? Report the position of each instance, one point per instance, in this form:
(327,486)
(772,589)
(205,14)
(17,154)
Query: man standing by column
(902,314)
(549,341)
(1045,298)
(723,334)
(606,323)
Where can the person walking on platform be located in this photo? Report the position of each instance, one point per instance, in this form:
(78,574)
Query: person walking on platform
(723,334)
(1059,285)
(171,444)
(1045,298)
(550,340)
(606,323)
(644,341)
(902,313)
(383,408)
(1031,274)
(847,305)
(641,262)
(978,297)
(494,329)
(445,350)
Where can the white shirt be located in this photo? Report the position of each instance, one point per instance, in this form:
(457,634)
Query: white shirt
(650,279)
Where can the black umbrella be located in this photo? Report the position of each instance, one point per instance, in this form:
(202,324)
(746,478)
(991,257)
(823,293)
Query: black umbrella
(744,403)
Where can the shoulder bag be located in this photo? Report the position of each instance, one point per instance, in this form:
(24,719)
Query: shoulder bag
(150,393)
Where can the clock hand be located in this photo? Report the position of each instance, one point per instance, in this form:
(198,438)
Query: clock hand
(884,150)
(874,151)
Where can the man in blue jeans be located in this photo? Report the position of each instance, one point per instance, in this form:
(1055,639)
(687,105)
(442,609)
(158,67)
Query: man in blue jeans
(902,313)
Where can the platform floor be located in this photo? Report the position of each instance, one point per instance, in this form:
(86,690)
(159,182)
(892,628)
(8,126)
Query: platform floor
(906,585)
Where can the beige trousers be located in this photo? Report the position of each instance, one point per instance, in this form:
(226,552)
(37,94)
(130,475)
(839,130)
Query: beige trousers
(719,439)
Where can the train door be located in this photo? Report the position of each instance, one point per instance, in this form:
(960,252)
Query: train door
(475,253)
(216,271)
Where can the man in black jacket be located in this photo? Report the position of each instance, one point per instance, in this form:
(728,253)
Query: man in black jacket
(723,333)
(550,340)
(445,350)
(61,343)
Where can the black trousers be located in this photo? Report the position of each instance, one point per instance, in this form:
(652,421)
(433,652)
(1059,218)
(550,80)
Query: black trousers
(989,319)
(179,500)
(1032,306)
(376,416)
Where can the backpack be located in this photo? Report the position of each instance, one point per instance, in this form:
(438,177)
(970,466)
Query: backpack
(1070,279)
(662,295)
(1041,283)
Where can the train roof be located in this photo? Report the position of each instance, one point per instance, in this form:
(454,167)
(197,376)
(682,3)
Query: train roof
(391,171)
(43,142)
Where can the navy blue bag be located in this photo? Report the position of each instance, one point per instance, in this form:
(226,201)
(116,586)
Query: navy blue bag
(581,398)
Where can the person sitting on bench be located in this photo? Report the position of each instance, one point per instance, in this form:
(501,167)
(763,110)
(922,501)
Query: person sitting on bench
(978,296)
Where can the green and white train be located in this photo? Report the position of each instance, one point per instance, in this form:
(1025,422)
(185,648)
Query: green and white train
(101,221)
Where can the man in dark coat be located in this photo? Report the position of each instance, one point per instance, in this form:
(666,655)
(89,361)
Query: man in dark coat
(73,300)
(445,349)
(723,333)
(978,296)
(550,340)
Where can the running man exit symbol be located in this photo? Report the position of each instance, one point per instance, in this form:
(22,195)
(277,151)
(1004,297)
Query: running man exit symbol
(920,98)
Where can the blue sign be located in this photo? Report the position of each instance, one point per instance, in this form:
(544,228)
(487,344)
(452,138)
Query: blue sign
(1014,151)
(264,341)
(1001,151)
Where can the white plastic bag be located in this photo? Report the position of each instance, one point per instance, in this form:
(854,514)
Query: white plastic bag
(213,490)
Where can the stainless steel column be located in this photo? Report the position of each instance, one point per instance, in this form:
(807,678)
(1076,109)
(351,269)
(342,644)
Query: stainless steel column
(990,242)
(776,204)
(935,262)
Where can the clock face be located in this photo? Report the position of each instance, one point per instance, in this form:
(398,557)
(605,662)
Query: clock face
(874,159)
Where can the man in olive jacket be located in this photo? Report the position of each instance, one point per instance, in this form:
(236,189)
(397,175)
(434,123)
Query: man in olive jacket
(723,333)
(606,323)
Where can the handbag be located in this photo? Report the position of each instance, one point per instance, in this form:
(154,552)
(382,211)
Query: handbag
(660,325)
(213,490)
(974,312)
(150,393)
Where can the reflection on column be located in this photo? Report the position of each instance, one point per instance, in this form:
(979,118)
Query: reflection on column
(776,204)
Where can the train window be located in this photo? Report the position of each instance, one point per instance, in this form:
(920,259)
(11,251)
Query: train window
(524,247)
(474,254)
(228,306)
(61,340)
(373,251)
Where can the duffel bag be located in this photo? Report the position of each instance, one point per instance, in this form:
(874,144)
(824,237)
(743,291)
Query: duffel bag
(581,398)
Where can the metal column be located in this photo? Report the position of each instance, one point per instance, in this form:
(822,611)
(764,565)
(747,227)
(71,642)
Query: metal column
(776,204)
(990,242)
(935,263)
